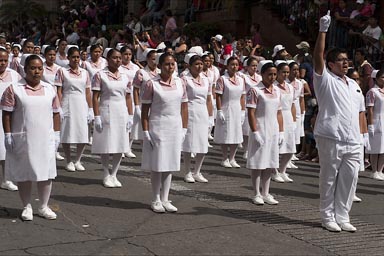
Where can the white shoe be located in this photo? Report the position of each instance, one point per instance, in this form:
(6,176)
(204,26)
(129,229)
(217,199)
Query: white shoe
(234,164)
(346,226)
(168,206)
(294,158)
(79,166)
(377,176)
(270,200)
(188,178)
(130,155)
(59,157)
(245,155)
(276,177)
(47,213)
(123,155)
(381,175)
(291,165)
(357,199)
(200,178)
(157,207)
(8,185)
(27,213)
(210,137)
(285,177)
(193,155)
(226,163)
(70,167)
(258,200)
(116,182)
(90,140)
(331,226)
(108,182)
(209,145)
(241,146)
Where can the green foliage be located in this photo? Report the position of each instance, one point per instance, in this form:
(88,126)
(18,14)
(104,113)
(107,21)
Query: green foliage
(203,30)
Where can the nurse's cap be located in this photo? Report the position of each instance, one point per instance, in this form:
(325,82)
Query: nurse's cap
(69,47)
(188,56)
(22,41)
(88,49)
(3,48)
(290,61)
(106,51)
(158,58)
(226,61)
(119,46)
(44,47)
(17,45)
(161,46)
(374,73)
(147,50)
(261,64)
(278,62)
(205,53)
(197,50)
(25,56)
(57,42)
(245,60)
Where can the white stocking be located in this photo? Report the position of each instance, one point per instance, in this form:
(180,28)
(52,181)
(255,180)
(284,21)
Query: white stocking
(156,185)
(44,192)
(199,162)
(116,159)
(187,162)
(166,179)
(284,160)
(265,181)
(105,164)
(255,178)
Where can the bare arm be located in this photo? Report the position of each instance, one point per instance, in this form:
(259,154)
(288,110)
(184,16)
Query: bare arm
(209,105)
(56,122)
(363,123)
(7,117)
(60,93)
(252,119)
(128,100)
(242,102)
(370,115)
(318,53)
(280,121)
(136,97)
(302,105)
(145,116)
(184,114)
(218,101)
(95,101)
(88,97)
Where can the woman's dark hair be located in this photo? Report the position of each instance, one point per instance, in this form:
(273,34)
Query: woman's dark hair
(282,65)
(351,71)
(164,56)
(125,48)
(250,59)
(293,63)
(150,53)
(232,59)
(94,47)
(29,59)
(379,73)
(49,48)
(28,41)
(194,58)
(72,50)
(267,66)
(62,40)
(111,51)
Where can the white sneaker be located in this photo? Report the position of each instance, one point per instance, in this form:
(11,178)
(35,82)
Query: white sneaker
(234,164)
(357,199)
(116,182)
(108,182)
(209,145)
(276,177)
(90,140)
(210,137)
(157,207)
(285,177)
(47,213)
(168,206)
(270,200)
(291,165)
(346,226)
(226,163)
(245,155)
(70,167)
(79,166)
(258,200)
(130,155)
(27,213)
(123,155)
(8,185)
(331,226)
(377,176)
(294,158)
(241,146)
(59,157)
(200,178)
(188,178)
(193,155)
(381,175)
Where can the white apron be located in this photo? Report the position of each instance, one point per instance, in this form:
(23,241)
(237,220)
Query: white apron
(93,70)
(377,140)
(230,132)
(61,62)
(165,128)
(298,87)
(266,156)
(33,155)
(74,127)
(114,138)
(196,140)
(249,83)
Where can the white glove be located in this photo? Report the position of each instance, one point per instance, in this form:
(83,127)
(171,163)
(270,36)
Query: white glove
(366,143)
(371,130)
(137,111)
(220,116)
(281,138)
(211,121)
(257,137)
(98,124)
(147,137)
(242,116)
(325,22)
(57,140)
(129,122)
(90,116)
(294,126)
(183,134)
(61,114)
(9,143)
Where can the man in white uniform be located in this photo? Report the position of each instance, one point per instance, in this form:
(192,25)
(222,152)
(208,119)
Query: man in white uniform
(337,132)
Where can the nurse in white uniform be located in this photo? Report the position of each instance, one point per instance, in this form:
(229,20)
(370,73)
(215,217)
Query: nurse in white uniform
(165,120)
(61,56)
(74,91)
(267,133)
(230,102)
(199,93)
(288,110)
(7,77)
(31,137)
(375,109)
(113,116)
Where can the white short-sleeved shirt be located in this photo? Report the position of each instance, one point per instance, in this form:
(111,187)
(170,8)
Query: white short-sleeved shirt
(340,102)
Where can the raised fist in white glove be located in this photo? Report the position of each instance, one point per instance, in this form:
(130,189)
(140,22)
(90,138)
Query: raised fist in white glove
(325,22)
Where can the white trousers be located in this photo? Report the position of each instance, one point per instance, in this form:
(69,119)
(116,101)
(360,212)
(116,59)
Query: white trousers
(339,167)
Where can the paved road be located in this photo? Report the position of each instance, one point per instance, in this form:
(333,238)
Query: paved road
(217,218)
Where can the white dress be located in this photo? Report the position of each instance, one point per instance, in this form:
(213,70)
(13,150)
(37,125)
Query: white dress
(287,94)
(61,62)
(50,74)
(165,125)
(267,104)
(33,154)
(196,140)
(93,68)
(114,138)
(249,83)
(9,77)
(375,99)
(230,132)
(74,126)
(299,93)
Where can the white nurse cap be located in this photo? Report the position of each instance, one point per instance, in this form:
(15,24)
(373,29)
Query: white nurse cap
(69,46)
(188,56)
(105,53)
(261,64)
